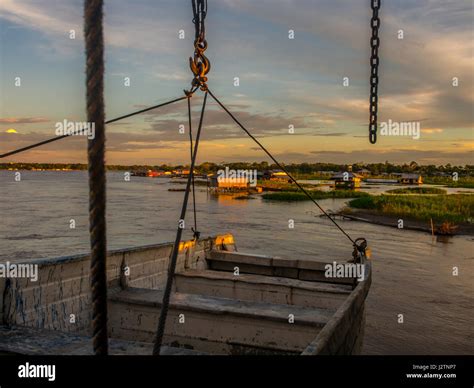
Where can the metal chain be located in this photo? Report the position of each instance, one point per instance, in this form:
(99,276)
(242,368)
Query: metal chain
(199,64)
(374,65)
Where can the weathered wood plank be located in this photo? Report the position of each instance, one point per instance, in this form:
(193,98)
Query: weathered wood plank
(270,289)
(335,338)
(60,298)
(216,325)
(264,265)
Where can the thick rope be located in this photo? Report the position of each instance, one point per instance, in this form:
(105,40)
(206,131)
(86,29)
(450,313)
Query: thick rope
(174,255)
(280,166)
(94,42)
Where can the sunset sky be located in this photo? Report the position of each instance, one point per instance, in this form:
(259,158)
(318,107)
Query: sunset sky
(282,82)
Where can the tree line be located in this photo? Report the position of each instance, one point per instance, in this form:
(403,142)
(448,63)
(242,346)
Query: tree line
(295,168)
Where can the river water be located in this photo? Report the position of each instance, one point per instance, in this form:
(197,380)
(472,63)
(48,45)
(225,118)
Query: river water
(412,271)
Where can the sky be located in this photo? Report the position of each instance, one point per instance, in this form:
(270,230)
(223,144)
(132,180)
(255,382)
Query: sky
(282,82)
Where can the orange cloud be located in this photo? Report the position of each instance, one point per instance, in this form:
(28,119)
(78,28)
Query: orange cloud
(432,130)
(23,120)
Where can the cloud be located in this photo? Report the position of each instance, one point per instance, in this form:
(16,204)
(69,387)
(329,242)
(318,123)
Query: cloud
(54,19)
(395,156)
(331,134)
(24,120)
(282,82)
(432,130)
(218,125)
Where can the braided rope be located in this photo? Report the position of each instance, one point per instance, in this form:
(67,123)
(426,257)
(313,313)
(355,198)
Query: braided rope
(94,42)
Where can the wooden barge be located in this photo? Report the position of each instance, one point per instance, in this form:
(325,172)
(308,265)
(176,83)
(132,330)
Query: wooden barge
(223,302)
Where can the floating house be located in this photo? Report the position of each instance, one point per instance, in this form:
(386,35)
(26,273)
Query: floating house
(364,172)
(154,174)
(411,179)
(139,173)
(346,180)
(217,183)
(276,175)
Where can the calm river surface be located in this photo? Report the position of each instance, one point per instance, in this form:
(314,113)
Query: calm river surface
(412,271)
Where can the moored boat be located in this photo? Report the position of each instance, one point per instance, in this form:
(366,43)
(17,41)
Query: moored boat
(223,302)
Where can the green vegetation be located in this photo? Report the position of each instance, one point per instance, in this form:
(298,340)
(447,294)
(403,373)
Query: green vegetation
(417,190)
(315,194)
(440,208)
(283,185)
(463,182)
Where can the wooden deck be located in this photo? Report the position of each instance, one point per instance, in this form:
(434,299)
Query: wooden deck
(32,342)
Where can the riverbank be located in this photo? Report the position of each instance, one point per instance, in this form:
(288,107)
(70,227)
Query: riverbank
(426,209)
(437,214)
(372,217)
(456,208)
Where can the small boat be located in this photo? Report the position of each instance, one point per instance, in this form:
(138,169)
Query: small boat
(223,302)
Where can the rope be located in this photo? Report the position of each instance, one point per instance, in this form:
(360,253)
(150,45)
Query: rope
(374,66)
(196,233)
(17,151)
(94,42)
(174,255)
(281,167)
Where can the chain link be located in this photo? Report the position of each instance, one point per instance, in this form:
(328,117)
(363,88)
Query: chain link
(374,65)
(199,64)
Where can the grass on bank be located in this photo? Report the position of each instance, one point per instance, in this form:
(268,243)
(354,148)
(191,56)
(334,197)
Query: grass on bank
(440,208)
(462,182)
(417,190)
(315,194)
(282,186)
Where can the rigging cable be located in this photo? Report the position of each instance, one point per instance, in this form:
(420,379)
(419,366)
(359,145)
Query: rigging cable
(280,166)
(196,233)
(53,139)
(94,42)
(174,255)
